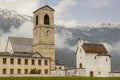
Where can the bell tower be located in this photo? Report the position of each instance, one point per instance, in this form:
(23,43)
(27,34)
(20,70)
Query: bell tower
(43,33)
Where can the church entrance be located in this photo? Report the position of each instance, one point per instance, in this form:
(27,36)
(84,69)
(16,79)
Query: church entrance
(91,74)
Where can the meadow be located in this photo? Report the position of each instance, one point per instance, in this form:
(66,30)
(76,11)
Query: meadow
(59,78)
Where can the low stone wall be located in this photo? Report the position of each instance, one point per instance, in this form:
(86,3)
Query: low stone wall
(114,74)
(29,75)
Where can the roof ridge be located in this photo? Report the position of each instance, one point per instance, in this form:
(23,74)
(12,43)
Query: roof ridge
(93,43)
(19,37)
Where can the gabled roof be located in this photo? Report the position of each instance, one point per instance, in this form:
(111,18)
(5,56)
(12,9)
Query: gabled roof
(94,48)
(44,7)
(20,44)
(36,54)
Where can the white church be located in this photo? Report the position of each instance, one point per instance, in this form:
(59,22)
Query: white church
(93,58)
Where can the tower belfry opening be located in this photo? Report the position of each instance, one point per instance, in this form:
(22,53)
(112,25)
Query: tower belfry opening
(46,20)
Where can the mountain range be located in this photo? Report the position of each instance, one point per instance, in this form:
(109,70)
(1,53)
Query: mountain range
(66,38)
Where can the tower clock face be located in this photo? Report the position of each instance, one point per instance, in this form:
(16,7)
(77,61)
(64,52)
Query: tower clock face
(47,32)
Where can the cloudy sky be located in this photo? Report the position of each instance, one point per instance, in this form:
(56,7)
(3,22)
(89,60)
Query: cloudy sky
(71,12)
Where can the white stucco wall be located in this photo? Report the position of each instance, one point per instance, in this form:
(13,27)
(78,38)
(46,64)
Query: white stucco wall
(9,47)
(114,74)
(104,65)
(60,66)
(58,72)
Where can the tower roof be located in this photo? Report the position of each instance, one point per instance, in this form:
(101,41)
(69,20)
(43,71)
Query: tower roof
(44,7)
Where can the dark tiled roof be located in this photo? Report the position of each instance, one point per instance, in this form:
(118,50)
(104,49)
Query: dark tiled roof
(4,54)
(20,44)
(21,54)
(94,48)
(17,54)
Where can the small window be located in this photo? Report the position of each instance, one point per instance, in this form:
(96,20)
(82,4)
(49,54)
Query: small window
(26,71)
(46,71)
(11,61)
(4,61)
(80,65)
(19,61)
(99,73)
(39,71)
(60,67)
(19,71)
(11,71)
(36,19)
(39,62)
(26,61)
(4,71)
(46,62)
(33,62)
(95,57)
(106,60)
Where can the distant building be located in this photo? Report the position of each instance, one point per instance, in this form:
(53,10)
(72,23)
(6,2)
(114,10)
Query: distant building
(23,63)
(94,58)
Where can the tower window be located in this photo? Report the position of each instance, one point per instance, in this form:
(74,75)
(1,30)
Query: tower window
(36,19)
(46,20)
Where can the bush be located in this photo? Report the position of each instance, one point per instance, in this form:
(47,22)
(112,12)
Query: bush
(34,71)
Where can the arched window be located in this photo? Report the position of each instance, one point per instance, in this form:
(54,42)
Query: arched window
(80,65)
(46,20)
(36,19)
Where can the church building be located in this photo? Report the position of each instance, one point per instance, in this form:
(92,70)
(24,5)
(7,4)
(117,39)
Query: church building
(23,55)
(93,59)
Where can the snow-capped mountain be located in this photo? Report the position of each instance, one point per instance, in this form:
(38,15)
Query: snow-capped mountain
(11,18)
(107,25)
(99,25)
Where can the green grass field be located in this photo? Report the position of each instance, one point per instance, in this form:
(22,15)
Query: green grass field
(58,78)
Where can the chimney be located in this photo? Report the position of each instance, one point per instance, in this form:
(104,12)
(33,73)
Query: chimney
(11,52)
(80,42)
